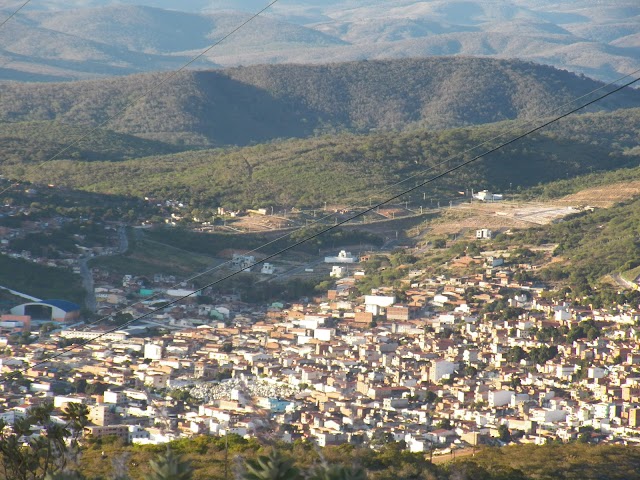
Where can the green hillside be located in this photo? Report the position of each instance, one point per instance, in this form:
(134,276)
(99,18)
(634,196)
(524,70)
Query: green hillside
(34,142)
(609,235)
(40,281)
(249,105)
(354,168)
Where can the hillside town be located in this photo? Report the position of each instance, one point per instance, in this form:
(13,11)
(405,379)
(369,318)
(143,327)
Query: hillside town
(442,364)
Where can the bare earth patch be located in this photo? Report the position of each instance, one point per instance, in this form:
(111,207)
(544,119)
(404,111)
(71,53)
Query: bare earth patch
(604,196)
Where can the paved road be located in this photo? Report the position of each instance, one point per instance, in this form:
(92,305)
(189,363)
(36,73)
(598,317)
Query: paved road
(622,282)
(85,271)
(123,240)
(87,284)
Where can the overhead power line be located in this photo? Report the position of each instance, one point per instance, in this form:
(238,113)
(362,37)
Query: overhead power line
(342,222)
(153,87)
(15,12)
(353,206)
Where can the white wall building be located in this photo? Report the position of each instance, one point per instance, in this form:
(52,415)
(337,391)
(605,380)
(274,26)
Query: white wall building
(375,303)
(267,269)
(484,233)
(441,368)
(343,257)
(499,398)
(153,351)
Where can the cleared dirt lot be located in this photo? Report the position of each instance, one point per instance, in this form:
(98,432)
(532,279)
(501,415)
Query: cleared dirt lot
(604,196)
(498,216)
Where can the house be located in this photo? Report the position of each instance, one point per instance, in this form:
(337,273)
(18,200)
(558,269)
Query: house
(487,196)
(267,269)
(484,233)
(343,257)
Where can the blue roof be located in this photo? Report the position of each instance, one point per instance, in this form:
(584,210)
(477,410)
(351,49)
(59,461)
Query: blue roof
(62,305)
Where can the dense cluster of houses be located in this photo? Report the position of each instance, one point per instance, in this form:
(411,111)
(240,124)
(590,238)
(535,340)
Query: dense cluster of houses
(436,371)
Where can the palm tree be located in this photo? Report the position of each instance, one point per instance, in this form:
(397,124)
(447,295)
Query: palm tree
(169,466)
(271,467)
(77,417)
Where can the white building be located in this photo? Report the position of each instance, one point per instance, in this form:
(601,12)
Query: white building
(499,398)
(242,261)
(343,257)
(487,196)
(440,369)
(267,269)
(484,233)
(324,334)
(337,271)
(374,303)
(85,335)
(153,351)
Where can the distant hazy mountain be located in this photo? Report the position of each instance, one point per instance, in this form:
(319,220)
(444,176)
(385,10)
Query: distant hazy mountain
(261,103)
(84,38)
(119,40)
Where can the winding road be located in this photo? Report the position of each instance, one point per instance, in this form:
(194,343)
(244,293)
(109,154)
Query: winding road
(87,276)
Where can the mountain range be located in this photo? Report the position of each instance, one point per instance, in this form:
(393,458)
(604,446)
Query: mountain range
(256,104)
(58,40)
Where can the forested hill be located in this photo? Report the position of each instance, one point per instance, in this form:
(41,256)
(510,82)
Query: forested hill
(344,168)
(255,104)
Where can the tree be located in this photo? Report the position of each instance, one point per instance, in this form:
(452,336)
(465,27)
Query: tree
(24,456)
(584,437)
(431,397)
(77,417)
(445,423)
(504,434)
(96,388)
(80,385)
(169,466)
(47,328)
(516,354)
(271,467)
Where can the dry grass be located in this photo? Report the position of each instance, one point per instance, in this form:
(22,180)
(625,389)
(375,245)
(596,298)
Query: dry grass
(604,196)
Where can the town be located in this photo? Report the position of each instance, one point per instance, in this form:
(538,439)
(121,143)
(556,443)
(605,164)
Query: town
(477,354)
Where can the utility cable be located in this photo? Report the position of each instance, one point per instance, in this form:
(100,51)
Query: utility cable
(14,13)
(147,91)
(389,187)
(380,192)
(342,222)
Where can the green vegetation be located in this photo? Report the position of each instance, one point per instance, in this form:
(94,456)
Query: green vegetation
(147,257)
(203,458)
(44,202)
(386,270)
(349,168)
(571,462)
(44,454)
(35,142)
(414,92)
(40,281)
(610,235)
(214,243)
(262,103)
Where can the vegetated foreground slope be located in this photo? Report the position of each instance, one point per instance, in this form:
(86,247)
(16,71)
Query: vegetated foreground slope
(522,462)
(242,106)
(346,168)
